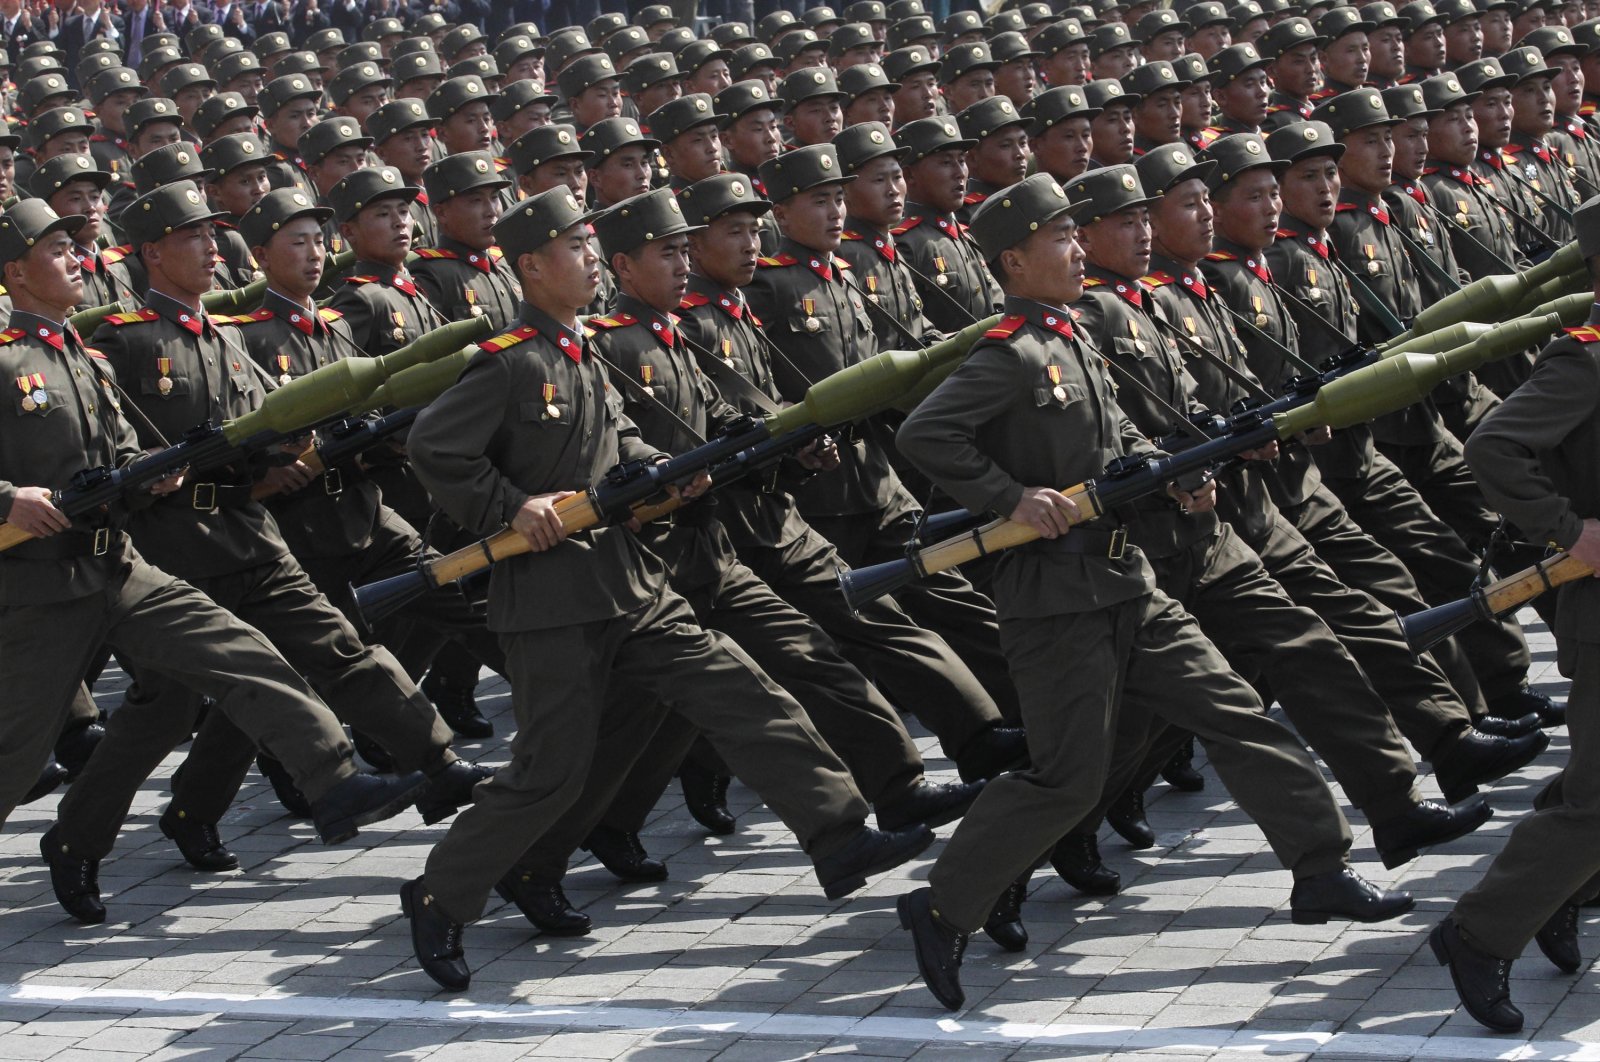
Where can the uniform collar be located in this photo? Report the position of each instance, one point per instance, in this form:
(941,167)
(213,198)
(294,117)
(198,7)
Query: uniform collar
(480,260)
(179,314)
(946,223)
(819,262)
(883,242)
(1188,279)
(1461,174)
(1131,290)
(308,321)
(54,333)
(730,302)
(1372,206)
(662,325)
(570,342)
(88,257)
(388,275)
(1051,318)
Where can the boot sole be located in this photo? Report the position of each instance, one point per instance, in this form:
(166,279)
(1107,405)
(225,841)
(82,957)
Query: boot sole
(341,830)
(1395,857)
(1562,965)
(1459,791)
(1319,918)
(549,931)
(408,908)
(841,887)
(1442,954)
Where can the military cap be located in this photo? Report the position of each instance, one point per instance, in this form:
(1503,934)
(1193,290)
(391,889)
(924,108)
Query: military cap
(815,82)
(412,45)
(771,25)
(1407,101)
(648,70)
(1008,21)
(43,49)
(1010,46)
(1161,20)
(513,49)
(964,58)
(925,136)
(569,48)
(218,109)
(603,26)
(636,221)
(1337,21)
(728,34)
(98,45)
(698,53)
(1238,154)
(740,98)
(280,90)
(859,144)
(203,35)
(306,64)
(456,93)
(1012,214)
(791,44)
(1211,13)
(1289,34)
(1162,168)
(479,66)
(1234,60)
(1106,191)
(850,35)
(414,66)
(185,75)
(459,39)
(655,15)
(609,135)
(1586,220)
(1191,68)
(585,72)
(519,29)
(1480,75)
(802,169)
(142,112)
(676,117)
(52,175)
(236,65)
(1055,105)
(232,152)
(867,11)
(1354,110)
(39,89)
(1152,77)
(1555,40)
(517,95)
(863,78)
(1103,38)
(748,57)
(988,116)
(164,210)
(675,40)
(1587,34)
(462,172)
(29,221)
(330,134)
(354,79)
(1271,8)
(910,30)
(57,121)
(961,22)
(819,16)
(160,39)
(535,221)
(542,144)
(1038,12)
(380,28)
(1420,13)
(1106,92)
(1444,91)
(90,65)
(1526,61)
(625,41)
(1303,140)
(325,40)
(361,52)
(1383,13)
(899,9)
(396,116)
(361,188)
(114,79)
(40,64)
(1454,11)
(1058,35)
(901,62)
(1107,9)
(269,44)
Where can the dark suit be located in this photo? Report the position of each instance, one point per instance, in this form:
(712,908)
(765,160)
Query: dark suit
(80,30)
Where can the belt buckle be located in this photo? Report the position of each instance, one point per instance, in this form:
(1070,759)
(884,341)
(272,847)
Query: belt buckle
(208,491)
(1119,544)
(102,541)
(332,481)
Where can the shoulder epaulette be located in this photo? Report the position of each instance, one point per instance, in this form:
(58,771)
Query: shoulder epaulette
(850,234)
(116,254)
(243,318)
(1092,282)
(359,280)
(1006,327)
(329,315)
(495,252)
(974,197)
(96,352)
(136,316)
(434,252)
(508,339)
(841,263)
(777,260)
(693,299)
(1222,256)
(906,226)
(1342,207)
(12,334)
(1158,279)
(616,320)
(1584,334)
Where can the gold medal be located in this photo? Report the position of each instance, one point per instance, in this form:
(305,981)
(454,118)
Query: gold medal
(812,324)
(1261,320)
(1313,293)
(943,280)
(1372,266)
(284,379)
(477,311)
(165,385)
(28,404)
(1461,219)
(399,335)
(551,411)
(1060,393)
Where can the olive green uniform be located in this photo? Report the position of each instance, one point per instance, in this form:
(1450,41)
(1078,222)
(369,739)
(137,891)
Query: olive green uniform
(464,282)
(104,281)
(946,265)
(1525,212)
(1546,181)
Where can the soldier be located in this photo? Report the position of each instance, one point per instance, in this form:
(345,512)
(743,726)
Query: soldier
(1493,115)
(1014,78)
(874,204)
(955,286)
(1386,43)
(756,61)
(1111,128)
(74,187)
(620,621)
(1463,32)
(690,143)
(1535,456)
(1060,136)
(1346,51)
(241,73)
(705,67)
(465,275)
(1241,89)
(224,114)
(966,75)
(651,81)
(997,439)
(550,156)
(80,581)
(461,105)
(853,44)
(1113,51)
(592,90)
(1531,161)
(916,71)
(620,160)
(813,106)
(188,85)
(1162,34)
(1158,116)
(288,108)
(869,93)
(1293,48)
(111,92)
(1210,29)
(1575,140)
(416,75)
(522,106)
(999,155)
(748,117)
(1424,41)
(402,137)
(239,167)
(358,90)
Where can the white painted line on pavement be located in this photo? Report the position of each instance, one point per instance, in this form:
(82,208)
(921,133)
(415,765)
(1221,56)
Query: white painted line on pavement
(603,1016)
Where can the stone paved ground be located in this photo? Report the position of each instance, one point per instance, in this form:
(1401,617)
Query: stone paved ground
(303,955)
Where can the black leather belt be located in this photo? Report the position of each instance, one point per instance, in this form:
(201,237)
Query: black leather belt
(209,497)
(72,544)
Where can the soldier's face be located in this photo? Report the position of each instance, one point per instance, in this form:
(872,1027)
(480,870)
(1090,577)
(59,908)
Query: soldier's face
(1063,149)
(876,105)
(1112,133)
(289,122)
(562,276)
(625,174)
(1410,148)
(1298,71)
(711,78)
(659,94)
(1116,62)
(1069,66)
(1048,265)
(1196,100)
(1016,81)
(1244,99)
(878,194)
(1368,162)
(74,142)
(82,197)
(597,102)
(1533,107)
(1492,112)
(1347,59)
(557,173)
(657,273)
(1388,48)
(1120,243)
(1568,84)
(695,154)
(754,138)
(1164,46)
(1159,117)
(470,217)
(1463,41)
(1001,158)
(815,121)
(381,231)
(1248,208)
(813,218)
(239,123)
(469,129)
(918,96)
(1181,222)
(336,165)
(110,109)
(1453,136)
(294,257)
(1425,47)
(968,89)
(1311,191)
(186,259)
(940,180)
(363,103)
(49,272)
(1209,40)
(240,189)
(1496,26)
(726,250)
(407,151)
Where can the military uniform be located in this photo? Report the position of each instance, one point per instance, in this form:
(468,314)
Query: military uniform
(111,151)
(941,255)
(875,267)
(105,278)
(1546,173)
(463,282)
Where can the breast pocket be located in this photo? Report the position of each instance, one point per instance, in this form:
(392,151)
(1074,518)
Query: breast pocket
(554,415)
(37,403)
(811,324)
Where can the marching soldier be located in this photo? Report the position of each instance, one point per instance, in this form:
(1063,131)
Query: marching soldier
(1158,116)
(1346,51)
(1061,134)
(402,135)
(1575,139)
(74,187)
(999,154)
(288,108)
(465,275)
(1293,47)
(1530,159)
(690,144)
(1003,431)
(1493,113)
(620,160)
(1241,89)
(1111,128)
(874,204)
(490,461)
(239,179)
(111,92)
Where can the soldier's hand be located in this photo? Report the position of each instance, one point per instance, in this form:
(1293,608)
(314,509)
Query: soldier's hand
(168,485)
(291,477)
(539,523)
(1200,500)
(1264,453)
(1046,510)
(1586,549)
(1316,436)
(694,488)
(32,512)
(822,455)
